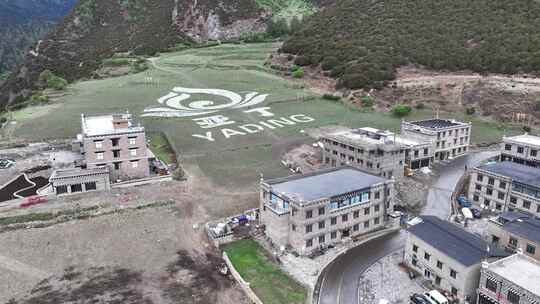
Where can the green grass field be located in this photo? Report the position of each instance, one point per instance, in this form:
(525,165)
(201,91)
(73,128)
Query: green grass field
(235,67)
(270,284)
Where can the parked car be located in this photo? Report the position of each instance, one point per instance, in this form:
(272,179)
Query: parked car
(463,201)
(477,213)
(435,297)
(419,299)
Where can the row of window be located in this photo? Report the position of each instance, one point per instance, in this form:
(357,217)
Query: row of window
(513,243)
(116,153)
(455,132)
(344,218)
(115,142)
(462,140)
(489,191)
(511,296)
(491,181)
(521,150)
(440,265)
(117,165)
(359,150)
(333,234)
(76,188)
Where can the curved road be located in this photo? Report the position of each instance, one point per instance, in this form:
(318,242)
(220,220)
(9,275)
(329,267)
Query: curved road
(340,279)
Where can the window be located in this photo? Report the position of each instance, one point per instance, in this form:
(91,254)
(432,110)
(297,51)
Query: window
(76,188)
(321,224)
(425,151)
(61,189)
(531,249)
(453,273)
(415,248)
(476,198)
(321,211)
(309,228)
(356,227)
(293,227)
(132,140)
(439,264)
(437,280)
(508,147)
(513,242)
(491,285)
(478,187)
(115,141)
(377,195)
(366,224)
(427,256)
(538,208)
(366,211)
(309,214)
(99,144)
(491,181)
(344,217)
(321,239)
(333,235)
(526,204)
(489,191)
(513,200)
(495,239)
(333,220)
(377,208)
(454,290)
(534,153)
(133,152)
(309,243)
(90,186)
(512,297)
(480,177)
(135,164)
(376,221)
(500,195)
(116,153)
(498,207)
(356,214)
(520,150)
(99,155)
(502,185)
(117,166)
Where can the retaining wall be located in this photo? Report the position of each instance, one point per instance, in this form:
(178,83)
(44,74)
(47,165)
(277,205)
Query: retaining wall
(243,284)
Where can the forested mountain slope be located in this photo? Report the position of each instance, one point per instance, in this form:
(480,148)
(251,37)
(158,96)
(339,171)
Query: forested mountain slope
(362,42)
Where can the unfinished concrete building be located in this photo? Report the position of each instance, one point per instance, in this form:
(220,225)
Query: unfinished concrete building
(77,180)
(309,212)
(116,142)
(378,152)
(449,138)
(521,149)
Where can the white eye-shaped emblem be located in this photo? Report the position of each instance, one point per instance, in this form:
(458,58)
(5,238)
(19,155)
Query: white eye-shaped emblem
(175,104)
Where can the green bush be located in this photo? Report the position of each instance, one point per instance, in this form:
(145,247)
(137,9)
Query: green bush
(294,68)
(39,98)
(329,63)
(299,73)
(401,110)
(470,110)
(49,80)
(277,28)
(367,101)
(331,97)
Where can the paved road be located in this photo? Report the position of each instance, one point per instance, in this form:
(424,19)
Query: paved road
(340,280)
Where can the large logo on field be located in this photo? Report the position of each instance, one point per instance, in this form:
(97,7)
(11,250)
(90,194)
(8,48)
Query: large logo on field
(179,102)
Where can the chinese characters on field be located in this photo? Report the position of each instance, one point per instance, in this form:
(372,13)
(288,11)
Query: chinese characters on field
(214,124)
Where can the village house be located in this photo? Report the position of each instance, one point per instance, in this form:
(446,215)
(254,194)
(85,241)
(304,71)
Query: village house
(516,231)
(449,138)
(522,149)
(512,280)
(309,212)
(116,142)
(77,180)
(506,186)
(448,256)
(378,152)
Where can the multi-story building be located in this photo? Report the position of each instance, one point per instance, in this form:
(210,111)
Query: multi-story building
(449,138)
(448,256)
(516,230)
(506,186)
(114,141)
(377,152)
(522,149)
(512,280)
(315,210)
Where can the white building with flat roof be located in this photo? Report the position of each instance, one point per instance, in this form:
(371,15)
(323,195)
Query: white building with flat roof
(522,149)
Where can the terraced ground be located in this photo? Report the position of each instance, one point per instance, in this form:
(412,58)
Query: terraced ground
(235,67)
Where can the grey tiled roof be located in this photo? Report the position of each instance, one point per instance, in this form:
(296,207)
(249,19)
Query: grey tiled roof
(518,172)
(324,184)
(455,242)
(523,225)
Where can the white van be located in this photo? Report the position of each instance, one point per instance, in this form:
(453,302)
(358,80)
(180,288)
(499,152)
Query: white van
(435,297)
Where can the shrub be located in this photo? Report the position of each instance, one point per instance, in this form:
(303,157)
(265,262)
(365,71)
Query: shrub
(329,63)
(299,73)
(3,120)
(526,129)
(331,97)
(401,110)
(294,68)
(179,174)
(367,101)
(49,80)
(277,28)
(470,110)
(39,98)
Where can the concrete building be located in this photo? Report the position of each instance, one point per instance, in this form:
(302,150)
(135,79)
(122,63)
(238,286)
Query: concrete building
(514,231)
(506,186)
(77,180)
(512,280)
(114,141)
(375,151)
(315,210)
(448,256)
(449,138)
(522,149)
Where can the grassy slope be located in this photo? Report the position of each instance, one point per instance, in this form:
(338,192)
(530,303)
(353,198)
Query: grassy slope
(366,40)
(243,157)
(271,284)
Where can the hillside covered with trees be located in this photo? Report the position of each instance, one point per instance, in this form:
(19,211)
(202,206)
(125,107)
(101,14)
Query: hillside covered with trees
(363,42)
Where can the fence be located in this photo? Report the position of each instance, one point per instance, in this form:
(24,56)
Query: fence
(243,284)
